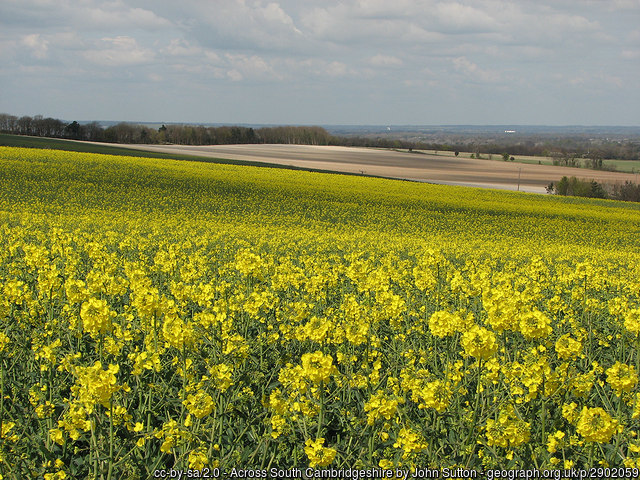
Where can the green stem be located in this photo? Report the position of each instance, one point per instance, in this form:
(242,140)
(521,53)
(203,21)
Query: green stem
(94,451)
(476,415)
(110,471)
(321,414)
(543,413)
(184,382)
(220,423)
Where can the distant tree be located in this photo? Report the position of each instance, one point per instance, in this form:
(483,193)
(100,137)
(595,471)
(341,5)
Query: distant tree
(24,125)
(628,191)
(162,134)
(578,188)
(121,133)
(93,132)
(595,159)
(36,125)
(8,123)
(562,188)
(597,190)
(73,130)
(456,153)
(53,127)
(505,157)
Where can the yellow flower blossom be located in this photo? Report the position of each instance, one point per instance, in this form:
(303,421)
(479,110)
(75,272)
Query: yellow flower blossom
(318,454)
(568,348)
(381,406)
(95,386)
(96,316)
(508,430)
(622,378)
(410,442)
(535,324)
(199,404)
(632,321)
(318,367)
(479,342)
(555,441)
(596,425)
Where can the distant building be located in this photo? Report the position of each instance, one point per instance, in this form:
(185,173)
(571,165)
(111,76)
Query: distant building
(509,131)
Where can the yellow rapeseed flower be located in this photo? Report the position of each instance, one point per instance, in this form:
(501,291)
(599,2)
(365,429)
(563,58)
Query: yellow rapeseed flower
(535,324)
(96,316)
(318,454)
(622,378)
(318,367)
(410,442)
(95,386)
(479,342)
(381,406)
(568,347)
(508,430)
(596,425)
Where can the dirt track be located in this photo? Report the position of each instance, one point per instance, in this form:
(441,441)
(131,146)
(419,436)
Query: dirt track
(410,166)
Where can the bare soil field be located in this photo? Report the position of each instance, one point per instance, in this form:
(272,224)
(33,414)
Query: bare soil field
(401,165)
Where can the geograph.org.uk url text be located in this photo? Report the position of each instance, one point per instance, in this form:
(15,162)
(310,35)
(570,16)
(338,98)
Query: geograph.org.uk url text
(403,474)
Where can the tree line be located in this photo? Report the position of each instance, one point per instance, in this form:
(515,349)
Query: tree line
(194,134)
(572,186)
(564,150)
(177,134)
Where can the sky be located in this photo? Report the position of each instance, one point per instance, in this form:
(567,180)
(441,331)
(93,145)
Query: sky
(373,62)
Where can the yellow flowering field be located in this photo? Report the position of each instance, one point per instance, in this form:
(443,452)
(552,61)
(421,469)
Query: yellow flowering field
(160,314)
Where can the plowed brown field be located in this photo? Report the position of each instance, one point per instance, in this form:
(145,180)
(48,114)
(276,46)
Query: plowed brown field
(402,165)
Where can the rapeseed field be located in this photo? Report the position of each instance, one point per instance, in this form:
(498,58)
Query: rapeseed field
(161,314)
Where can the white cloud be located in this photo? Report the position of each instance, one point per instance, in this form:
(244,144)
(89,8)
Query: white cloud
(179,47)
(250,66)
(118,15)
(386,9)
(385,61)
(464,17)
(235,75)
(242,24)
(325,22)
(39,46)
(347,25)
(119,51)
(274,14)
(337,69)
(472,71)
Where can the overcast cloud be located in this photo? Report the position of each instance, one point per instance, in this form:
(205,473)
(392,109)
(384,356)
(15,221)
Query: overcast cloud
(553,62)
